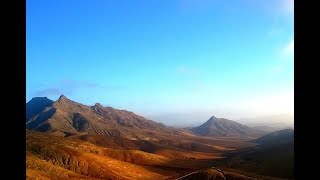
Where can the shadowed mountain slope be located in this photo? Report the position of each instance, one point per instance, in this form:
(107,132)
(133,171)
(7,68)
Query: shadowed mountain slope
(37,105)
(274,156)
(277,137)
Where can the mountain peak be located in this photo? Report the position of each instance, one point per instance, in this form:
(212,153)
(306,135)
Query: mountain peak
(41,100)
(213,117)
(63,97)
(98,105)
(64,100)
(223,127)
(36,105)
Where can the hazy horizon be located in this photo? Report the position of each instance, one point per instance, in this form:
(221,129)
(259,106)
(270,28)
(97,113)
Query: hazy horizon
(165,60)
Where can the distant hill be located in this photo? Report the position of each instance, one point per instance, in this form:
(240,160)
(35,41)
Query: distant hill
(218,127)
(37,105)
(265,128)
(65,117)
(274,156)
(277,137)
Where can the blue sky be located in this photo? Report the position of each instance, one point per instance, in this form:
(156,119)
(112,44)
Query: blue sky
(181,58)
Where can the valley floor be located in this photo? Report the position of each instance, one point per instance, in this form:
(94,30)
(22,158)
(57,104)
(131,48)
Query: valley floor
(53,157)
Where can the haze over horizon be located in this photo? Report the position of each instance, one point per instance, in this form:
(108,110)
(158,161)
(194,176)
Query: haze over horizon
(165,60)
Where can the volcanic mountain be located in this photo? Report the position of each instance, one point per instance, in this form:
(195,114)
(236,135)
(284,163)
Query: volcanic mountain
(37,105)
(219,127)
(65,117)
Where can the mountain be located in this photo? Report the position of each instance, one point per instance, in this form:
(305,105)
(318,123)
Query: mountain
(65,117)
(219,127)
(37,105)
(278,137)
(121,129)
(96,142)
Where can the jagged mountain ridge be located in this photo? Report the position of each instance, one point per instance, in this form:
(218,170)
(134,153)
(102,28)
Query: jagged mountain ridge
(66,117)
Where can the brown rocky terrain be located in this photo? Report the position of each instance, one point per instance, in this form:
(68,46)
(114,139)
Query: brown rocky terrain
(66,117)
(69,140)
